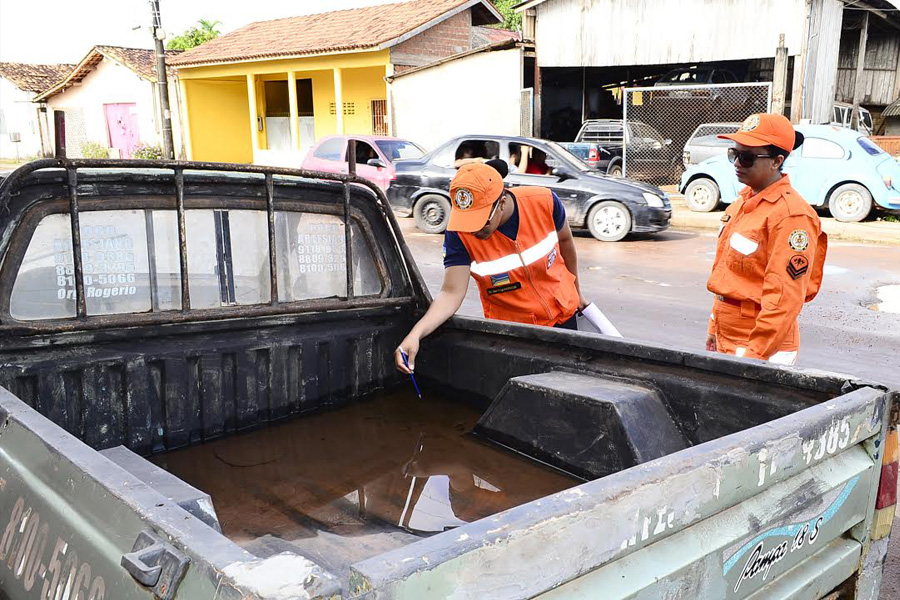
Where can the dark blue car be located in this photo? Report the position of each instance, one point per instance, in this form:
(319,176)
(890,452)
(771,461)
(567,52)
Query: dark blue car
(610,208)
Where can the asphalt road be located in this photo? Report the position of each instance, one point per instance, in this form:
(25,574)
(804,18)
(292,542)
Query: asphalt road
(654,288)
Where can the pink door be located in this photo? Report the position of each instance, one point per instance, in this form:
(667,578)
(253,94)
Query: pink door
(122,124)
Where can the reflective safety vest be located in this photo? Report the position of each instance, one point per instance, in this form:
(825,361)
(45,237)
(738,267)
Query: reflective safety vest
(525,280)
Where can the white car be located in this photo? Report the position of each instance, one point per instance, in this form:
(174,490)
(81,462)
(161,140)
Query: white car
(705,143)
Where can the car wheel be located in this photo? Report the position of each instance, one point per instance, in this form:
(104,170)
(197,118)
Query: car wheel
(609,221)
(850,203)
(702,195)
(432,213)
(615,170)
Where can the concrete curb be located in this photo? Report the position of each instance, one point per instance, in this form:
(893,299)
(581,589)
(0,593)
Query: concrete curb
(871,232)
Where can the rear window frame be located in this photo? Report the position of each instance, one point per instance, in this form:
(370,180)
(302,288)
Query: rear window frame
(24,230)
(603,132)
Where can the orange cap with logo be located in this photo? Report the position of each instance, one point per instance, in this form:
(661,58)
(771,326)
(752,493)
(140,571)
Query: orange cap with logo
(472,194)
(766,129)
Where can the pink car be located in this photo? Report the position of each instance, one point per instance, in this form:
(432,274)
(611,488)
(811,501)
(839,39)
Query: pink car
(375,156)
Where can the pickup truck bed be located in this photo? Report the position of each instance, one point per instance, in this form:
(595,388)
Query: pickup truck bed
(540,463)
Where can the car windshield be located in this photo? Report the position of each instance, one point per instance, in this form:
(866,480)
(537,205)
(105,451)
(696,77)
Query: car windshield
(866,118)
(570,159)
(642,130)
(711,141)
(686,77)
(399,149)
(714,130)
(870,146)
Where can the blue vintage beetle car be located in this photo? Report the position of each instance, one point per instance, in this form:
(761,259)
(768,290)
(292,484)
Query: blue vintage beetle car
(835,167)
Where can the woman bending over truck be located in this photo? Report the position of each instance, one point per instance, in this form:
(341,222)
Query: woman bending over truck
(516,244)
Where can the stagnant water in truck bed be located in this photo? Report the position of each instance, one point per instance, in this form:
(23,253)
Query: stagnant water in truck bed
(343,486)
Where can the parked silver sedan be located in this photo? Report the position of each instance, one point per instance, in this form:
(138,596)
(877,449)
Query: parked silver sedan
(704,142)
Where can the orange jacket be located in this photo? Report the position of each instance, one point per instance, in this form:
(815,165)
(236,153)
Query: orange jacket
(526,280)
(771,252)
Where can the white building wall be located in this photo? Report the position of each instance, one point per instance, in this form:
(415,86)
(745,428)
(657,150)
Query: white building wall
(601,33)
(477,94)
(111,83)
(19,115)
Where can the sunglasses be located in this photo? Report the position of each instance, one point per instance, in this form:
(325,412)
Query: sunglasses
(745,158)
(493,211)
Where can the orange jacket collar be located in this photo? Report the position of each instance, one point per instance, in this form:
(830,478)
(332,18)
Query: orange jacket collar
(770,194)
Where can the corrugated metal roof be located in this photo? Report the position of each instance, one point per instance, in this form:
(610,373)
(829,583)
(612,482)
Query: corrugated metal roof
(893,110)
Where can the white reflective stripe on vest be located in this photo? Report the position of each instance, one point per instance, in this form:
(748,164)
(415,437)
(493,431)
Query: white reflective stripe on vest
(784,358)
(512,261)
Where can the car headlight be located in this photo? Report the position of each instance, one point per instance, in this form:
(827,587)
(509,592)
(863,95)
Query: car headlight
(653,200)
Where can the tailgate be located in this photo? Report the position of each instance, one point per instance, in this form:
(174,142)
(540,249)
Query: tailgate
(782,510)
(77,526)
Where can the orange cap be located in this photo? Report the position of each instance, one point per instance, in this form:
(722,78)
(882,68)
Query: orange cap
(764,129)
(472,194)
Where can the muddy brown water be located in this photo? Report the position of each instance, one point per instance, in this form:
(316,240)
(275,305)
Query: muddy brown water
(342,486)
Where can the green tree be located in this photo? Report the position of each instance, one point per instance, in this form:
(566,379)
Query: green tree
(511,19)
(195,35)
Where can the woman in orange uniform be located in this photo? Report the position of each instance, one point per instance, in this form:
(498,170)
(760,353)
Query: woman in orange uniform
(771,249)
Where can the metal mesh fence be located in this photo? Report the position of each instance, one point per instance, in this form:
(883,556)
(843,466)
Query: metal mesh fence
(658,121)
(526,114)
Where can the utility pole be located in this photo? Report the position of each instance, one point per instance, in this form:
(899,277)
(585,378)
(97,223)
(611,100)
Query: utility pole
(779,77)
(162,83)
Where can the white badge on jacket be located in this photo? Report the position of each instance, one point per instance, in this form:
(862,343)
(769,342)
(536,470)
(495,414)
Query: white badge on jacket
(742,244)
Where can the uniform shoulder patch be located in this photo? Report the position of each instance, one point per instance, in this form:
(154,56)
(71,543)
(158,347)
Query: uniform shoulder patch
(799,240)
(797,266)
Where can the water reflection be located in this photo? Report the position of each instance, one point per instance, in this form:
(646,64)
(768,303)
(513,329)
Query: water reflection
(347,485)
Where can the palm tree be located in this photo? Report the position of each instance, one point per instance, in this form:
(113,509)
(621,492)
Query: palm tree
(208,29)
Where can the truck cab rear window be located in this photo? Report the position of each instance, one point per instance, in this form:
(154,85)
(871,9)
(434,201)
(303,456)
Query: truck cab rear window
(228,257)
(312,259)
(131,262)
(115,260)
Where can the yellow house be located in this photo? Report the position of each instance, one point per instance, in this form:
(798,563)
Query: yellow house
(265,93)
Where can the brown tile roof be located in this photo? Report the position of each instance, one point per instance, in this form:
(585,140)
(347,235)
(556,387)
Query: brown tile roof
(33,78)
(482,36)
(139,60)
(372,27)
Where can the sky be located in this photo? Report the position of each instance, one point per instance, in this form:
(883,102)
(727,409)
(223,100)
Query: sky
(62,31)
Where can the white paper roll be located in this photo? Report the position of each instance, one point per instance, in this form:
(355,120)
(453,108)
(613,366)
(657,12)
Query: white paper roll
(592,319)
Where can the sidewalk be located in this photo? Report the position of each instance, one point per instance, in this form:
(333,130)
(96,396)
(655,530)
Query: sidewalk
(871,232)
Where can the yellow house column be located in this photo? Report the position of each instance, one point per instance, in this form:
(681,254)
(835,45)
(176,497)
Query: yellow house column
(389,99)
(338,101)
(185,121)
(254,114)
(292,102)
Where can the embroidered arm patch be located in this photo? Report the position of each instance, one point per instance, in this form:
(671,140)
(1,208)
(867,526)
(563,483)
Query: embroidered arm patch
(797,266)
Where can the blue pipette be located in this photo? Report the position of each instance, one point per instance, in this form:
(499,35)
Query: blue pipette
(411,376)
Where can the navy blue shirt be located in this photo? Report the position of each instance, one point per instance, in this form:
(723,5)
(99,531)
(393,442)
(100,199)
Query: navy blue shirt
(455,253)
